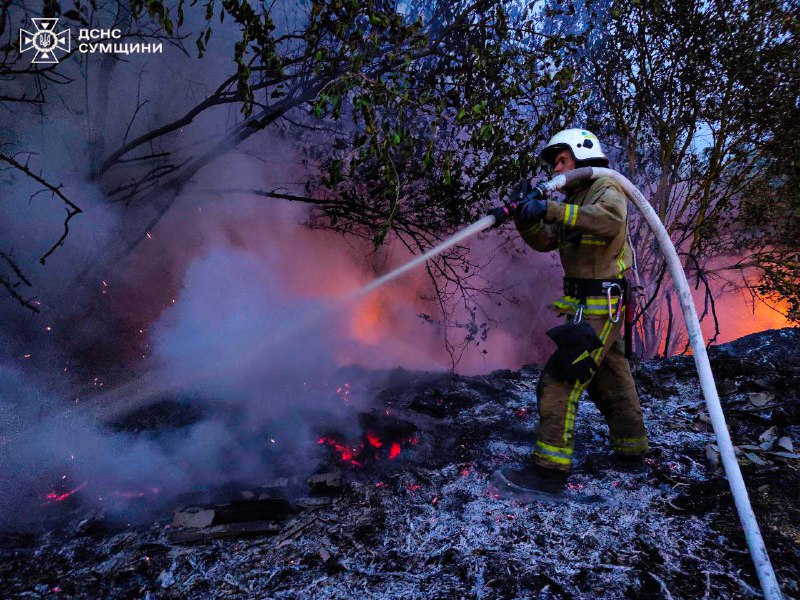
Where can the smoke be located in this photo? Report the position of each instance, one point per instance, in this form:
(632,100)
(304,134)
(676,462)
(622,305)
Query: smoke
(229,314)
(249,331)
(221,336)
(255,359)
(384,329)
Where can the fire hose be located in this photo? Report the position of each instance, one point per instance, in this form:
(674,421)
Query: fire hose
(758,551)
(755,542)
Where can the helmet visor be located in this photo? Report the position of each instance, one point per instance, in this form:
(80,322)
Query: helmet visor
(549,154)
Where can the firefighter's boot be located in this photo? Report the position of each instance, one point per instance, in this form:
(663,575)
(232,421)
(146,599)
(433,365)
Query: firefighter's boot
(531,483)
(532,478)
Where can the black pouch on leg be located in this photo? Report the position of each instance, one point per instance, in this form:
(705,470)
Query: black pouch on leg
(572,361)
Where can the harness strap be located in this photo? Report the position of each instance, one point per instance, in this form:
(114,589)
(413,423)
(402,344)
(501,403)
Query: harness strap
(583,288)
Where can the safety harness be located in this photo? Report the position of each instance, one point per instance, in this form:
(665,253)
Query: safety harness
(582,289)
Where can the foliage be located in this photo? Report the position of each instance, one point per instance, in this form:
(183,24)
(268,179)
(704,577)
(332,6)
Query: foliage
(416,116)
(693,99)
(425,116)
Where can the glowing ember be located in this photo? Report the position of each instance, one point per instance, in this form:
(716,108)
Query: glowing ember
(499,518)
(370,449)
(394,452)
(56,497)
(522,413)
(343,391)
(346,453)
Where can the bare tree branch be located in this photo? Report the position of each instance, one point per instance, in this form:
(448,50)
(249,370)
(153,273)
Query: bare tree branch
(72,209)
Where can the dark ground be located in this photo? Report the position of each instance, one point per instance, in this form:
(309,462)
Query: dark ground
(427,525)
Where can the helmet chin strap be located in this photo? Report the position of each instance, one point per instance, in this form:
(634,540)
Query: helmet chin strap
(592,162)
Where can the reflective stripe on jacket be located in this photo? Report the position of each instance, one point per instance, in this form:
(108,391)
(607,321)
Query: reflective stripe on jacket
(590,231)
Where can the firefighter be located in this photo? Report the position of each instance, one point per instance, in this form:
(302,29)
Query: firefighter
(589,229)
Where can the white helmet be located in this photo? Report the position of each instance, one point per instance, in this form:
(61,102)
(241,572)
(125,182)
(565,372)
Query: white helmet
(584,145)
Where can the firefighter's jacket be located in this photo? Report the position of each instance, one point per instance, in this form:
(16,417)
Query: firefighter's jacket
(590,231)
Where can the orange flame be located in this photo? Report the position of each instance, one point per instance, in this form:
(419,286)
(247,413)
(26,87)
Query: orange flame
(368,325)
(739,317)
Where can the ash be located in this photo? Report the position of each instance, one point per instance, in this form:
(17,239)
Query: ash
(428,524)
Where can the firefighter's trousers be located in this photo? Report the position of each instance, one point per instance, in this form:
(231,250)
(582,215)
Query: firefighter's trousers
(611,389)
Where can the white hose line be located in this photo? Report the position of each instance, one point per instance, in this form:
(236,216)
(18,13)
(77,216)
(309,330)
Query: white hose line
(758,551)
(462,235)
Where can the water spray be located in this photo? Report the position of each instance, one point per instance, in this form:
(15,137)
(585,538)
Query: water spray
(755,542)
(462,235)
(152,387)
(766,575)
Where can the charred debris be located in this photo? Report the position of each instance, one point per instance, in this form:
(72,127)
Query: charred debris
(404,509)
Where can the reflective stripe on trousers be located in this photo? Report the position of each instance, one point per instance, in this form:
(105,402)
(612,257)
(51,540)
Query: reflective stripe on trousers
(558,454)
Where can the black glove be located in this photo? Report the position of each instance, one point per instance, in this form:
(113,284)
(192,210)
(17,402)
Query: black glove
(501,214)
(516,195)
(533,208)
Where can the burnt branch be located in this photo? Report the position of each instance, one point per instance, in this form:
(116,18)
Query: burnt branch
(708,301)
(7,257)
(12,287)
(218,98)
(71,208)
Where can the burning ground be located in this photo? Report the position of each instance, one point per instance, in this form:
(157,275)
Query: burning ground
(403,508)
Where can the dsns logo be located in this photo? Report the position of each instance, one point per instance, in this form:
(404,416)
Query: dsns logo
(44,40)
